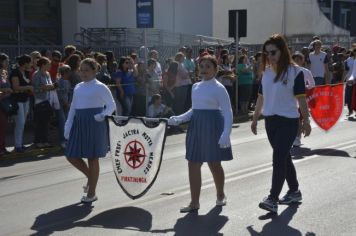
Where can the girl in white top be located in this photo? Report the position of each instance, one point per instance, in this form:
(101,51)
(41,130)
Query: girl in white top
(86,129)
(282,90)
(208,135)
(298,58)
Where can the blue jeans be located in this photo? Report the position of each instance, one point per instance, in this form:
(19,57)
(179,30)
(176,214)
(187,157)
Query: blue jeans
(61,120)
(20,120)
(127,105)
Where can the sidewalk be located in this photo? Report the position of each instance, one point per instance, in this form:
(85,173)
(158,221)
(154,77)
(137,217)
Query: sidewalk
(32,152)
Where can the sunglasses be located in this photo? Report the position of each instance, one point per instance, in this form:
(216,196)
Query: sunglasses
(271,53)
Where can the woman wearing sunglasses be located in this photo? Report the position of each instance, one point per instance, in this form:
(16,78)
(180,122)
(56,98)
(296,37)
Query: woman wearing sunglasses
(281,92)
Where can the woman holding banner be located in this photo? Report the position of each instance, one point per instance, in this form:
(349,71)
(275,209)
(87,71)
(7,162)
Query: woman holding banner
(281,91)
(85,128)
(208,135)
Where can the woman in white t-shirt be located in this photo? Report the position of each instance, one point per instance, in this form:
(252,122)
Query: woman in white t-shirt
(282,90)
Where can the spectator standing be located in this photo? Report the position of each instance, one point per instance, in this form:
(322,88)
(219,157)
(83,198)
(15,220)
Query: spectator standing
(55,64)
(103,74)
(169,81)
(257,75)
(309,83)
(42,85)
(349,64)
(352,81)
(139,103)
(35,56)
(226,75)
(338,69)
(64,88)
(153,81)
(305,51)
(125,82)
(73,62)
(182,85)
(245,81)
(5,92)
(68,51)
(21,85)
(158,69)
(111,63)
(319,64)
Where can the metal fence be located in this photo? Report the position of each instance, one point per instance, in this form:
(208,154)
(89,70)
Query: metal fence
(133,37)
(165,52)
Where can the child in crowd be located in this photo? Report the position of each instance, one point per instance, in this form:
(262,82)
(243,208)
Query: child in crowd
(64,88)
(157,109)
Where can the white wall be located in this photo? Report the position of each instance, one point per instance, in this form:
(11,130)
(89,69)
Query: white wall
(205,17)
(260,20)
(304,16)
(187,16)
(265,18)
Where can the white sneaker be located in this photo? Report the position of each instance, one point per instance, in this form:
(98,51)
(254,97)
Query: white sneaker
(297,142)
(221,202)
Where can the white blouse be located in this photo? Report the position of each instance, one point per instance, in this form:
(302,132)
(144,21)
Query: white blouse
(90,94)
(210,95)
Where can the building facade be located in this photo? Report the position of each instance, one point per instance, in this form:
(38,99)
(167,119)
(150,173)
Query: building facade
(56,21)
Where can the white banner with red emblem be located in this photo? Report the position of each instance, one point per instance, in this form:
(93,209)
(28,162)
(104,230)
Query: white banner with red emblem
(136,146)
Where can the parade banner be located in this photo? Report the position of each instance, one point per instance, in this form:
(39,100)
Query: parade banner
(326,104)
(136,147)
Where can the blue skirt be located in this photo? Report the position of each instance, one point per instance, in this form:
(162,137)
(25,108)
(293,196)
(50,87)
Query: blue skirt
(204,131)
(88,138)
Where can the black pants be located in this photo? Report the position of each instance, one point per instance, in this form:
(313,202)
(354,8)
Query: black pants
(281,132)
(43,112)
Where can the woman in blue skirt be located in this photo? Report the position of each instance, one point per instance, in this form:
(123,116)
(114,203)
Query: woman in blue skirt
(85,128)
(208,136)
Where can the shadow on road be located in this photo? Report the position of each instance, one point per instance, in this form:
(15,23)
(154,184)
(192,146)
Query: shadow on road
(62,219)
(129,218)
(300,152)
(29,156)
(279,224)
(194,224)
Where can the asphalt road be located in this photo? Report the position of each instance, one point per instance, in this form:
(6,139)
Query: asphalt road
(41,195)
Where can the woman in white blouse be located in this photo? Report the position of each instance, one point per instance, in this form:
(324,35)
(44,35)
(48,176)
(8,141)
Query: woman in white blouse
(208,135)
(85,128)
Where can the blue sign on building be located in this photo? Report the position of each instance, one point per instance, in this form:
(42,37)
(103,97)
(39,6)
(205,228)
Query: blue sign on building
(144,13)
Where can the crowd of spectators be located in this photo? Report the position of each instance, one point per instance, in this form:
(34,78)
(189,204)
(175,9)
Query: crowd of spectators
(40,85)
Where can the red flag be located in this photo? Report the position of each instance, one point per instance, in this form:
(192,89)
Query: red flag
(326,104)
